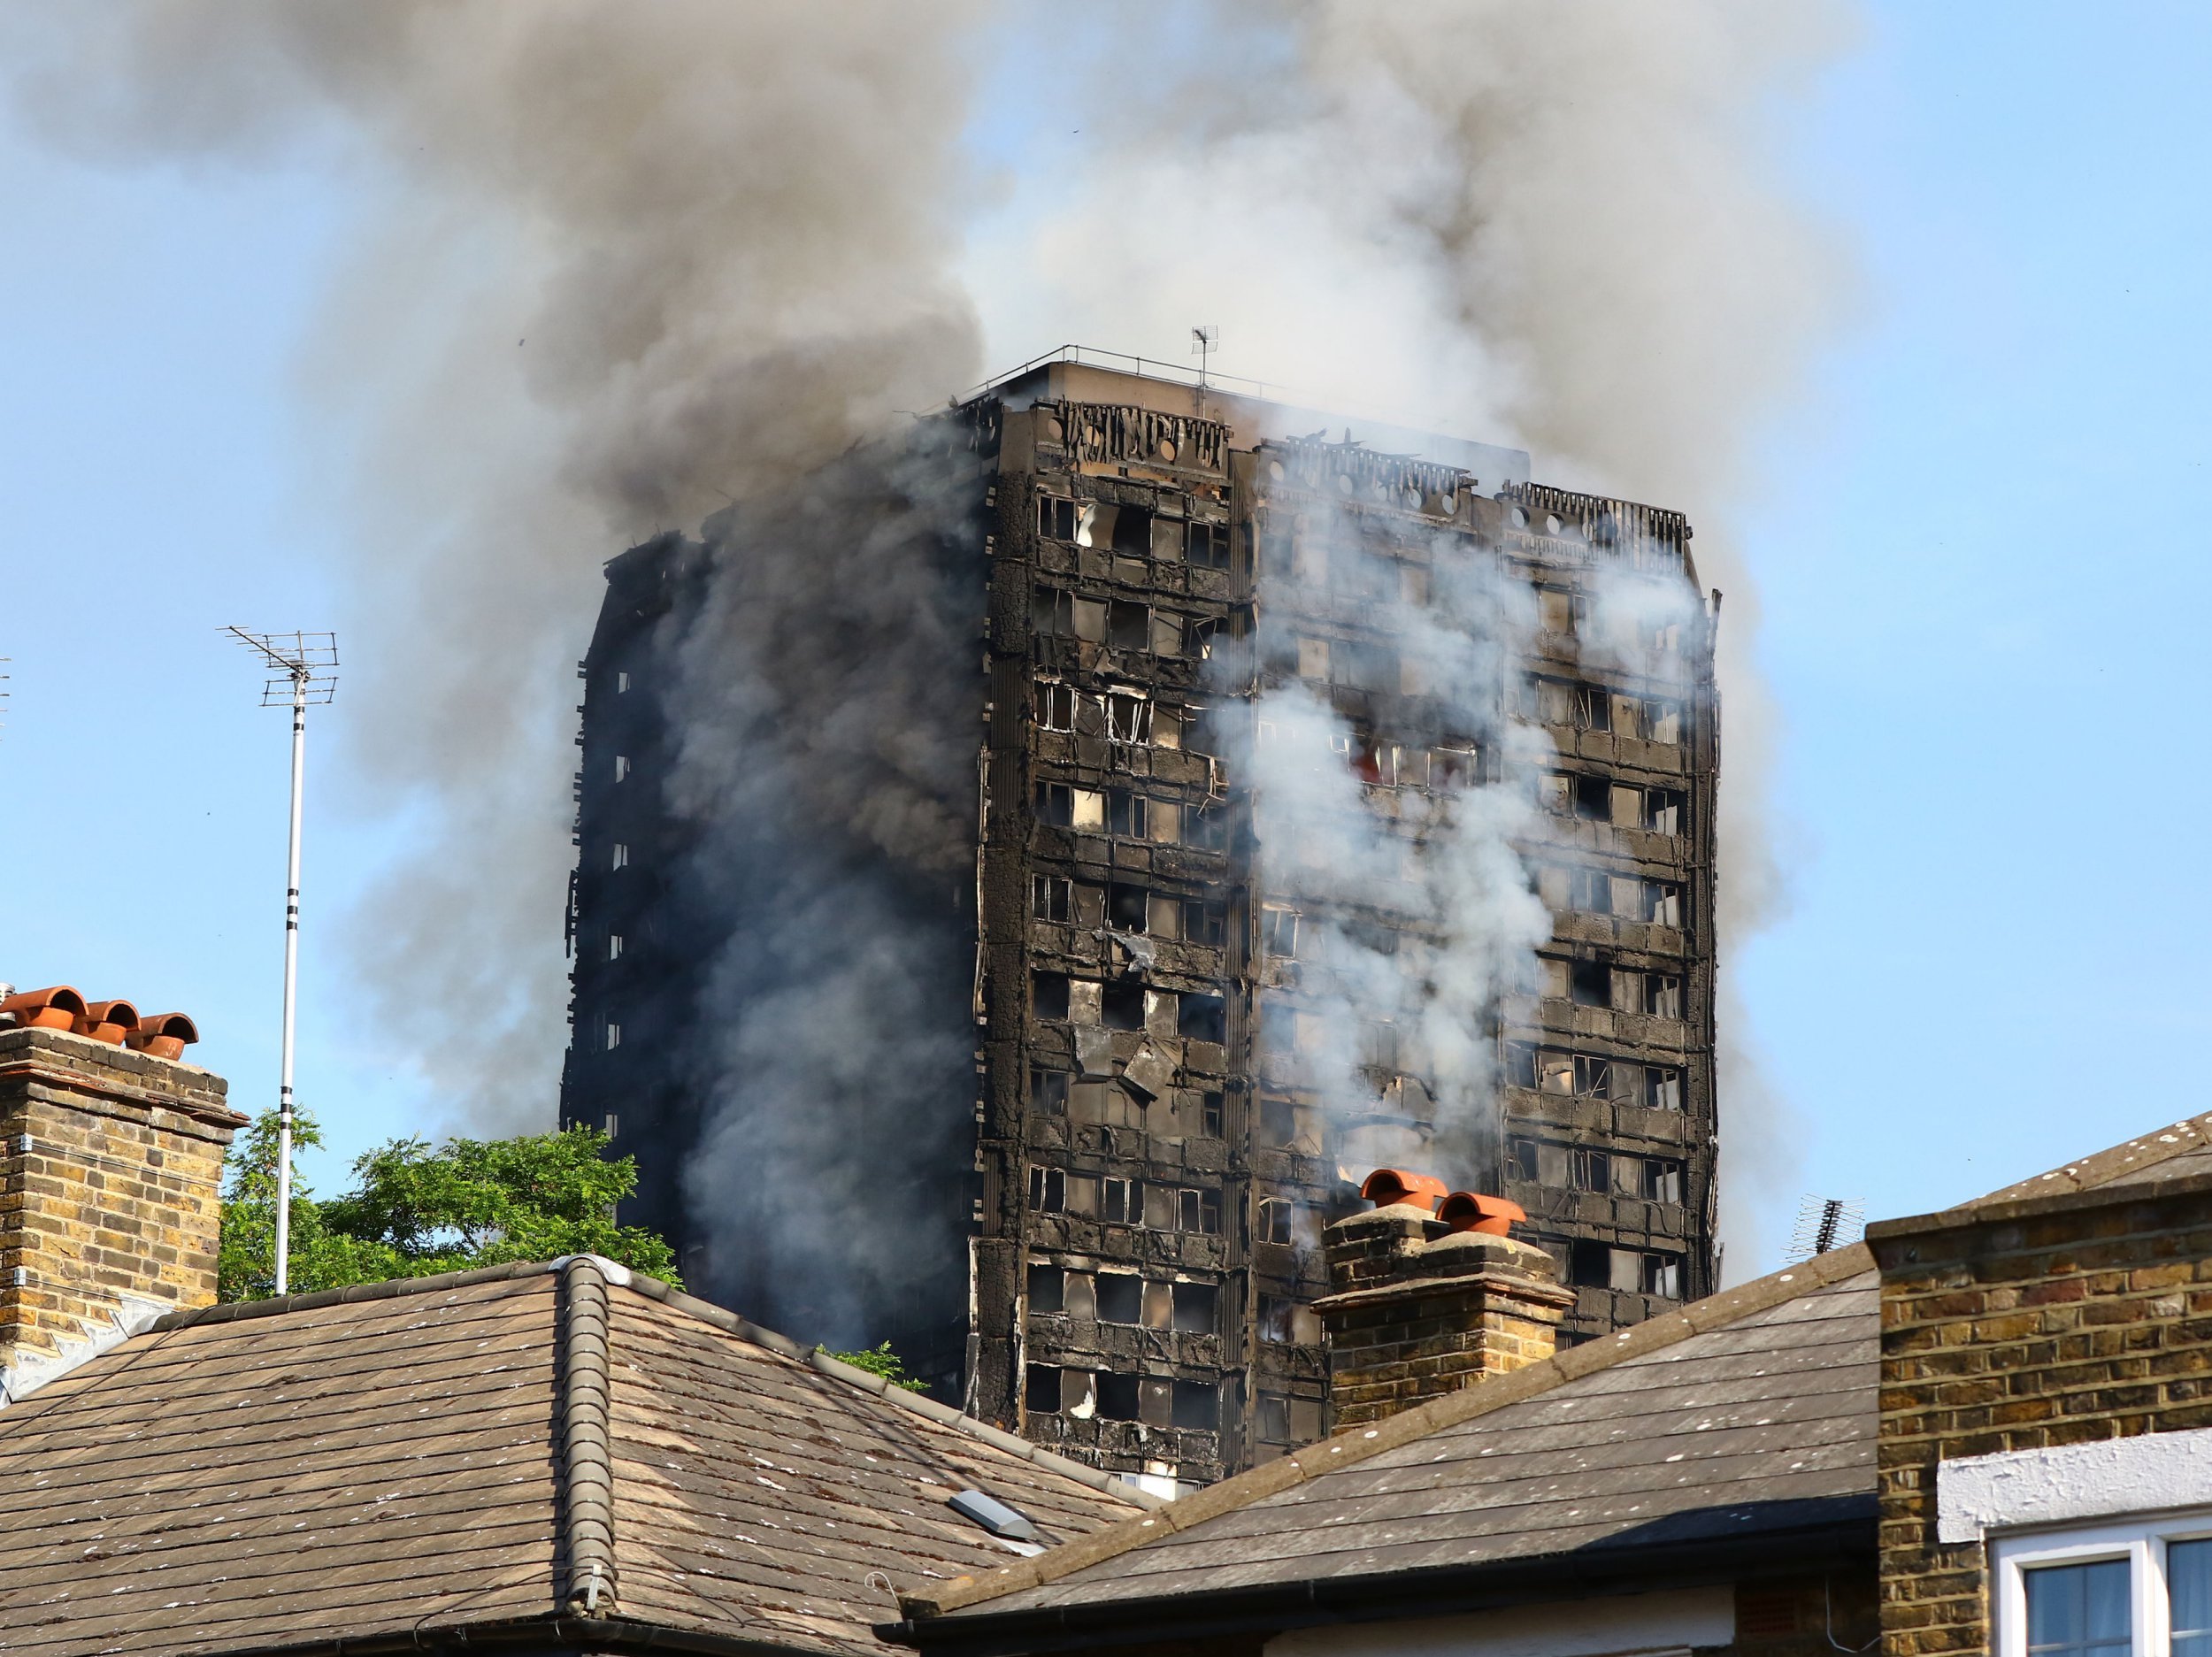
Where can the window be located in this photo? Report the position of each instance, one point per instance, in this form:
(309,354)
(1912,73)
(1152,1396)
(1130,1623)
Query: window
(1589,984)
(1047,1090)
(1205,923)
(621,684)
(1056,705)
(614,946)
(1048,996)
(1055,518)
(1210,1114)
(1593,708)
(1663,1087)
(1283,1322)
(2117,1589)
(1052,611)
(1123,1202)
(1055,804)
(1196,1308)
(1590,891)
(621,856)
(1127,813)
(1207,829)
(1663,722)
(1121,1005)
(1662,811)
(1197,1406)
(1589,1171)
(1558,610)
(1662,905)
(1273,1424)
(1200,1017)
(613,1038)
(1274,1220)
(1663,994)
(1048,1189)
(1206,545)
(1051,898)
(1128,625)
(1041,1389)
(610,1125)
(1047,1289)
(1117,1397)
(1656,1178)
(1521,1161)
(1198,1211)
(1120,1296)
(1127,907)
(1279,932)
(1128,716)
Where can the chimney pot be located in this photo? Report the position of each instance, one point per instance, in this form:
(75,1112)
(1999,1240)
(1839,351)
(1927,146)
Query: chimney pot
(1387,1187)
(1421,1304)
(107,1022)
(55,1008)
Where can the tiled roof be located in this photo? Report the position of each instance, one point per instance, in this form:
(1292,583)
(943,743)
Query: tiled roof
(411,1459)
(1751,1411)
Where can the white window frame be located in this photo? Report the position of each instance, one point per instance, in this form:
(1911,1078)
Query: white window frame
(2141,1542)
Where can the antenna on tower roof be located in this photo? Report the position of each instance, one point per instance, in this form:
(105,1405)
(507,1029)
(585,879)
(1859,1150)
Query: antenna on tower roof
(1204,341)
(1826,1222)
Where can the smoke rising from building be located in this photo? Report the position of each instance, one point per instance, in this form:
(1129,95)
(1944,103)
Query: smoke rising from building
(627,264)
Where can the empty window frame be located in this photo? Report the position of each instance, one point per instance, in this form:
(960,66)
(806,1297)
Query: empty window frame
(1559,609)
(1120,1296)
(1047,1289)
(1121,1004)
(1654,1178)
(1200,1017)
(1051,898)
(1589,1170)
(1205,922)
(1128,906)
(1283,1322)
(1052,611)
(1275,1221)
(1663,812)
(1198,1212)
(1278,931)
(611,1036)
(1196,1407)
(1049,1091)
(1123,1202)
(1041,1389)
(1209,1114)
(1128,625)
(1048,996)
(1048,1189)
(614,946)
(1062,805)
(1661,1088)
(1056,705)
(1128,814)
(1056,517)
(1128,716)
(1659,904)
(1207,545)
(1195,1308)
(621,857)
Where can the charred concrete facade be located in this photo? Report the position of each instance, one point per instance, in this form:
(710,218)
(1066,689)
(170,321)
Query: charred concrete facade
(1150,1175)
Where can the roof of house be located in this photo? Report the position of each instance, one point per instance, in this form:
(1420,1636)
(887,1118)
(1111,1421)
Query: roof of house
(502,1449)
(1750,1414)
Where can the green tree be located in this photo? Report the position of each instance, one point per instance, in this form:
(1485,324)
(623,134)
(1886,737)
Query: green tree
(416,1210)
(880,1359)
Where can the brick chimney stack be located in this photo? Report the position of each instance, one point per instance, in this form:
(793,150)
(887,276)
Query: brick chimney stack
(1421,1302)
(110,1179)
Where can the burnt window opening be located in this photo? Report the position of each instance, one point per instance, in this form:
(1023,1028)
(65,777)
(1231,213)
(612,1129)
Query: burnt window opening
(1047,1289)
(1522,1161)
(1207,829)
(612,1037)
(1123,1202)
(1047,1090)
(1285,1321)
(1197,1406)
(1056,705)
(1055,518)
(1205,923)
(1593,799)
(1121,1004)
(1198,1212)
(1048,1189)
(1128,814)
(1662,905)
(1279,932)
(1662,811)
(1588,1170)
(1559,609)
(1128,625)
(1041,1389)
(1663,722)
(1593,708)
(614,946)
(1051,898)
(1048,996)
(1590,891)
(1054,804)
(1206,545)
(1589,984)
(1278,1122)
(1127,907)
(1663,1087)
(1120,1296)
(1589,1265)
(1452,766)
(1200,637)
(1274,1220)
(1052,611)
(1210,1114)
(1197,1308)
(1658,1180)
(1201,1017)
(1117,1397)
(621,858)
(1128,716)
(1663,994)
(1271,1418)
(1661,1275)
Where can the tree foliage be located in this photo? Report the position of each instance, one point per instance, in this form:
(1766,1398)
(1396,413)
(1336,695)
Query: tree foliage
(418,1209)
(880,1359)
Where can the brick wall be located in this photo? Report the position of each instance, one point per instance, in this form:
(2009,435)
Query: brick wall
(2021,1325)
(1414,1311)
(110,1173)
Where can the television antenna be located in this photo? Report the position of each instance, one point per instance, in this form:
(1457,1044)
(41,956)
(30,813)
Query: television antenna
(1204,341)
(303,672)
(1826,1222)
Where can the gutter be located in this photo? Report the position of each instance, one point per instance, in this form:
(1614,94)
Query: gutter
(1848,1539)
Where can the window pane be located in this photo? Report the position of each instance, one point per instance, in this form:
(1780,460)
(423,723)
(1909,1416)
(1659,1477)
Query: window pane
(2189,1584)
(2078,1610)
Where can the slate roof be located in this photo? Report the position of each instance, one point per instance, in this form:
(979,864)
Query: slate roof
(486,1452)
(1749,1413)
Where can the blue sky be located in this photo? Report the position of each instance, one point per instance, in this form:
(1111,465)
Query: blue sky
(1978,542)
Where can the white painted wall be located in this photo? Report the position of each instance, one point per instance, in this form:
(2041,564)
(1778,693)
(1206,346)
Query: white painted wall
(1611,1625)
(2110,1480)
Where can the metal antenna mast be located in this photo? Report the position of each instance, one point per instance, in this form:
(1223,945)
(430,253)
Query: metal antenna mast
(1204,341)
(303,669)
